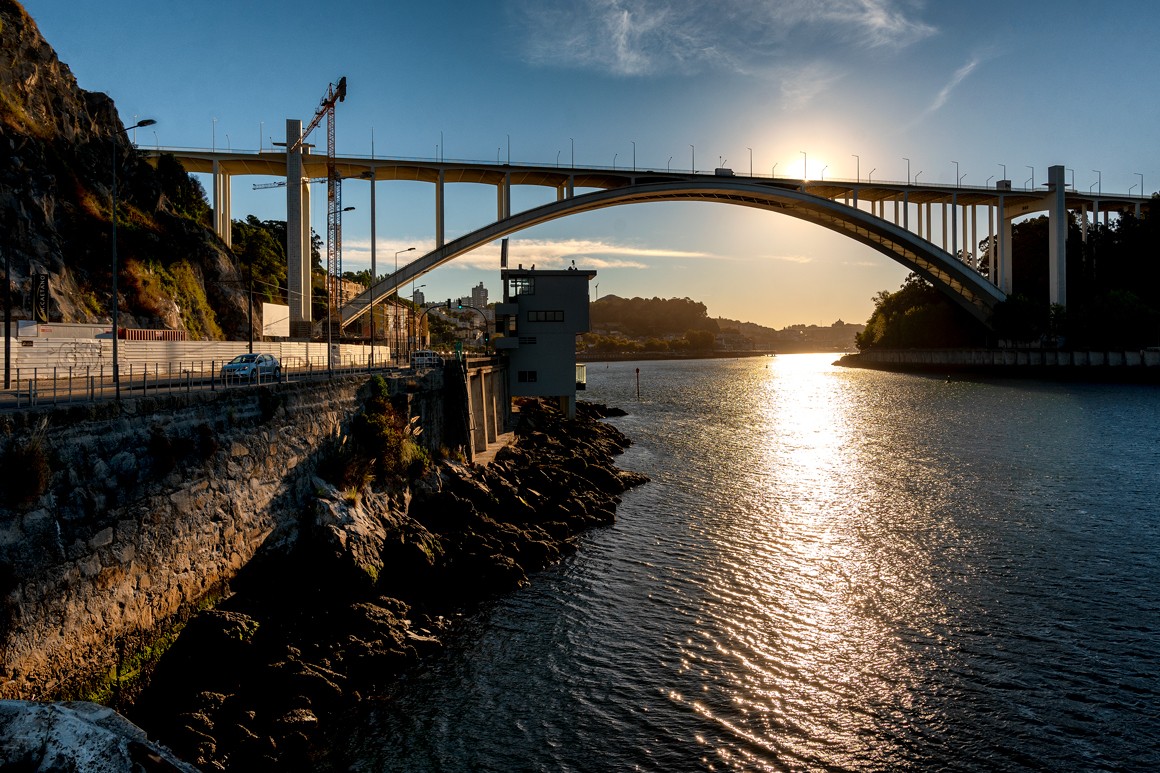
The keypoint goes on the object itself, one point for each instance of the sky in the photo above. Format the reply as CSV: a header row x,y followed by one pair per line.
x,y
849,87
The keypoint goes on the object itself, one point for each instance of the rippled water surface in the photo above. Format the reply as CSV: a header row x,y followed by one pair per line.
x,y
832,569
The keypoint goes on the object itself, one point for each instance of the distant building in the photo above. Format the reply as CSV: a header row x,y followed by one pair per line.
x,y
537,324
418,298
479,296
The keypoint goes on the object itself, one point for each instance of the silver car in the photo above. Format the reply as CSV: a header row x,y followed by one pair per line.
x,y
254,368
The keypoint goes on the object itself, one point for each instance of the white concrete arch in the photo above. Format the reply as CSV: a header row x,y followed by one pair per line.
x,y
960,282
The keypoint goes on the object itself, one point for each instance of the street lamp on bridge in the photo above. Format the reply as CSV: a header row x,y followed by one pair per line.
x,y
956,163
857,168
116,296
870,175
805,165
907,160
1099,183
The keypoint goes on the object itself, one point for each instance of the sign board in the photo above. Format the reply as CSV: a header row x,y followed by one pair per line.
x,y
275,320
40,297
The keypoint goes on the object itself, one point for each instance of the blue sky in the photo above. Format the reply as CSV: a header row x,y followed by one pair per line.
x,y
1027,84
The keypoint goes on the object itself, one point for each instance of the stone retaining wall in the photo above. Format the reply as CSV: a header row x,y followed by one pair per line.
x,y
150,509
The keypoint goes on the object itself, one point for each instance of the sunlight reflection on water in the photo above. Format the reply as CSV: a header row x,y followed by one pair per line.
x,y
831,570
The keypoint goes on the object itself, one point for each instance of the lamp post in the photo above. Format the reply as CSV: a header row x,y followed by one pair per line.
x,y
870,175
614,155
116,297
692,159
1032,178
907,160
916,174
334,294
573,145
823,173
395,350
633,154
956,163
750,160
1099,182
805,165
374,264
1141,176
857,168
1004,168
415,304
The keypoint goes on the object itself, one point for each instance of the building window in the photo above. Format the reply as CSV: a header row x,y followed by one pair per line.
x,y
526,376
527,340
521,285
545,316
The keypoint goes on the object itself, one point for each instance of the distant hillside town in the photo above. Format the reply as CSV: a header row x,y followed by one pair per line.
x,y
682,326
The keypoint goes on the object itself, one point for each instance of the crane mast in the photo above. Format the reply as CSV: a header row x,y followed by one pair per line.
x,y
334,94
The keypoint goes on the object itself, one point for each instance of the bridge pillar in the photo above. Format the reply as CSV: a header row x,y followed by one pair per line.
x,y
991,247
439,228
954,224
221,204
297,235
1005,269
906,210
1057,235
1083,216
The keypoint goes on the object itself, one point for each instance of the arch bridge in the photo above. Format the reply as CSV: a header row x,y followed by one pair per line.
x,y
896,219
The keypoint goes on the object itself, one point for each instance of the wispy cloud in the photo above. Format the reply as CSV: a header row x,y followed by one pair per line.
x,y
945,92
543,253
789,258
649,37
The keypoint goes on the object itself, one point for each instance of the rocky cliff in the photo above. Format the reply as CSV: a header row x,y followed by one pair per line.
x,y
59,148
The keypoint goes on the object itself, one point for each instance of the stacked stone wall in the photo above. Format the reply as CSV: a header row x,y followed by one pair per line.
x,y
146,510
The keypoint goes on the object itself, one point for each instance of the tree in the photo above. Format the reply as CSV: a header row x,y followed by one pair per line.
x,y
918,315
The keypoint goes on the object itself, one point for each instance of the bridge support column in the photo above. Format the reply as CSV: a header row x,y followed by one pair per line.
x,y
1057,235
571,186
906,210
297,235
503,197
991,245
954,223
1083,216
439,227
221,204
1005,270
974,243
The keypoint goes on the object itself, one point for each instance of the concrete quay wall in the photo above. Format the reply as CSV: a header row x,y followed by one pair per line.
x,y
1038,363
118,521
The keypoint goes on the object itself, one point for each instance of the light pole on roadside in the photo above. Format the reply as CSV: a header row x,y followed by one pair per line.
x,y
395,350
116,297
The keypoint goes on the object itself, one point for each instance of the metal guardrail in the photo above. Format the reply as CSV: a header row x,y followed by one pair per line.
x,y
61,386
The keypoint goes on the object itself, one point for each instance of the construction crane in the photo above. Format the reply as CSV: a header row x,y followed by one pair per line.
x,y
334,94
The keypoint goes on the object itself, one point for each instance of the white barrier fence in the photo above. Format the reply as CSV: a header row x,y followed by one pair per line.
x,y
62,353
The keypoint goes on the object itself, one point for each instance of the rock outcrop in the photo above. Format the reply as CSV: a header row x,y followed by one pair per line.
x,y
371,587
59,146
78,736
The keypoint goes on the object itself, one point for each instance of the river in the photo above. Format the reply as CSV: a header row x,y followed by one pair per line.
x,y
832,569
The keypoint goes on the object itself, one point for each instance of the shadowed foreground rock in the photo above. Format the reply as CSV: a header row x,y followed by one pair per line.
x,y
370,588
77,736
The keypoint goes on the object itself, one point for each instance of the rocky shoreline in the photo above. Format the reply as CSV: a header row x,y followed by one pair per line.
x,y
371,587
